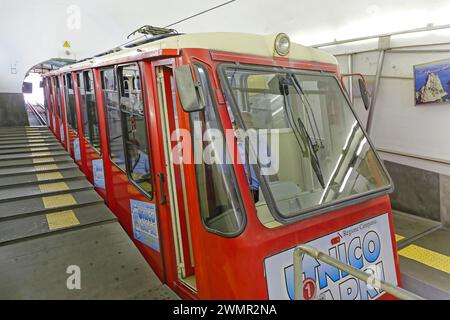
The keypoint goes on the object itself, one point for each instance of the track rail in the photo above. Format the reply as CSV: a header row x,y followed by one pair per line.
x,y
36,113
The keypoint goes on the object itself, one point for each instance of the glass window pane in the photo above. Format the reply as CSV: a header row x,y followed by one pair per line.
x,y
113,117
50,92
89,109
70,98
135,133
324,156
217,188
83,107
58,97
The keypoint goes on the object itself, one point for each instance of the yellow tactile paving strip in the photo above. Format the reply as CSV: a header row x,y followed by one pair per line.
x,y
41,154
42,160
59,201
49,176
427,257
46,167
53,187
39,149
62,220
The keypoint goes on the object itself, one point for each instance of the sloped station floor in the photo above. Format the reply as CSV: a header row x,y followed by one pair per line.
x,y
424,252
52,219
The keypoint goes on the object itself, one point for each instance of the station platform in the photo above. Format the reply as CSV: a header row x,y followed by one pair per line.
x,y
51,218
424,252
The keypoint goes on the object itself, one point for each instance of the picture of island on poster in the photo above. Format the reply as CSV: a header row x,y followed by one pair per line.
x,y
432,82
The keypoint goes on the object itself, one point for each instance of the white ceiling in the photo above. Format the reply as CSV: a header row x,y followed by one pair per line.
x,y
32,31
314,22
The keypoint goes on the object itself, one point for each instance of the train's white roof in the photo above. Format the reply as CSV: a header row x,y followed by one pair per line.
x,y
242,43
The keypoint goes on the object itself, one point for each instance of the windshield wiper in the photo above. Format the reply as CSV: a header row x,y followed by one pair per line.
x,y
309,112
313,153
305,137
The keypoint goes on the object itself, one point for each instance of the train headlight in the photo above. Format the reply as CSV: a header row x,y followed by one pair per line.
x,y
282,44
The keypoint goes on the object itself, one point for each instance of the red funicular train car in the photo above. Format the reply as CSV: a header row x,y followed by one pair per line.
x,y
220,153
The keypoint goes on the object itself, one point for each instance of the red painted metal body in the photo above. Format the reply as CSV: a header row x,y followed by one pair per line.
x,y
225,268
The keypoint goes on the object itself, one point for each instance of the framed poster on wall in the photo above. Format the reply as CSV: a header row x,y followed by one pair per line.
x,y
432,82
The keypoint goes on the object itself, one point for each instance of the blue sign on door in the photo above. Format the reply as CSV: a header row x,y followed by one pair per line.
x,y
61,132
76,149
99,174
145,223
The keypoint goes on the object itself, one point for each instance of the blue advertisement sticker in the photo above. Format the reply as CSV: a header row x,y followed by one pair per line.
x,y
61,132
76,149
145,223
99,174
366,246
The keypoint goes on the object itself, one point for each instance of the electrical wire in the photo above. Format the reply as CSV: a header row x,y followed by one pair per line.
x,y
183,20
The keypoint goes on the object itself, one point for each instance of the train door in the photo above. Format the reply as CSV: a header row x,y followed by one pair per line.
x,y
60,126
177,208
128,162
72,119
89,138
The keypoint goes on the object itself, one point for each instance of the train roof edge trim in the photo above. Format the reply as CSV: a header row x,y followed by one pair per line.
x,y
242,43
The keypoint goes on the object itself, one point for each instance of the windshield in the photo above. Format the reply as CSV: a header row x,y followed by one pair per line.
x,y
322,155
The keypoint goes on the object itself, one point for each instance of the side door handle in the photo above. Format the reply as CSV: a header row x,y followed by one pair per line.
x,y
161,185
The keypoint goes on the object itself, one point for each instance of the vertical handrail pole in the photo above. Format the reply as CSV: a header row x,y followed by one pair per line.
x,y
375,92
298,273
350,79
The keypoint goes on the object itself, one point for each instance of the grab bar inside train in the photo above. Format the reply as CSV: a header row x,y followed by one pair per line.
x,y
303,250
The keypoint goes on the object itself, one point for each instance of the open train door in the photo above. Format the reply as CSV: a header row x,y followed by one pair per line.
x,y
173,203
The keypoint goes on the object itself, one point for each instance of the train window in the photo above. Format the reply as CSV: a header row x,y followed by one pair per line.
x,y
89,109
58,97
318,154
217,187
72,118
134,126
50,91
113,117
83,107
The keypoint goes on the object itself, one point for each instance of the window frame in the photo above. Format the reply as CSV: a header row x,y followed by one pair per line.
x,y
114,69
147,133
58,97
243,226
127,171
50,93
317,210
81,76
71,113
